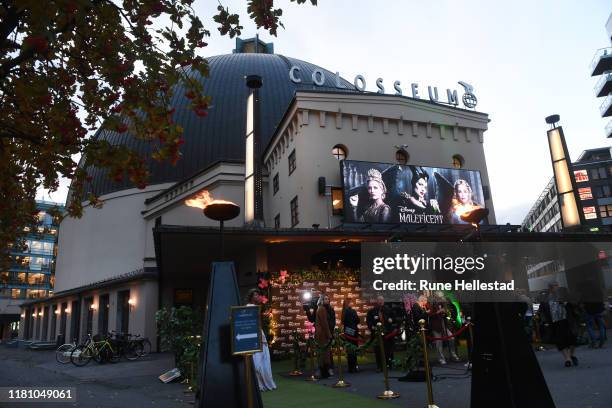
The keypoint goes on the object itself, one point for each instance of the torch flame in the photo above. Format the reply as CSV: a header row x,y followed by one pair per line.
x,y
203,199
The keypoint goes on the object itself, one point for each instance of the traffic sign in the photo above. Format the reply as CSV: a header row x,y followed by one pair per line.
x,y
246,329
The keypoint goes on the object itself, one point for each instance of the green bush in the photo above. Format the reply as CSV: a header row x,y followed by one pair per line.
x,y
180,331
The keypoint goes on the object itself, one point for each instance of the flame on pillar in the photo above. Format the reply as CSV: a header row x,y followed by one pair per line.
x,y
203,199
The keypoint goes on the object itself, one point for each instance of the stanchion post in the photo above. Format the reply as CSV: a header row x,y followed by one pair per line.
x,y
387,394
296,351
249,381
341,383
471,349
312,357
430,400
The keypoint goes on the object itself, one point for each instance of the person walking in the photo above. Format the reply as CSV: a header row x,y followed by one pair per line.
x,y
350,322
555,312
261,360
594,315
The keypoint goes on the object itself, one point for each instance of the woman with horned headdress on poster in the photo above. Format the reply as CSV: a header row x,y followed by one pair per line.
x,y
377,211
417,201
462,202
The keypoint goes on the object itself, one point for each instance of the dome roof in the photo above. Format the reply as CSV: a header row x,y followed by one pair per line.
x,y
220,135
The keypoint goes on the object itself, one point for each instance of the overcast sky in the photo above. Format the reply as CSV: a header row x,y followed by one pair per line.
x,y
525,59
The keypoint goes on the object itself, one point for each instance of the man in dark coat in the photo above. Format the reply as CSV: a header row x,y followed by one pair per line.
x,y
383,314
350,321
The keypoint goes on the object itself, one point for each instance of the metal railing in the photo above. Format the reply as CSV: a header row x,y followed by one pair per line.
x,y
606,104
609,129
599,54
607,76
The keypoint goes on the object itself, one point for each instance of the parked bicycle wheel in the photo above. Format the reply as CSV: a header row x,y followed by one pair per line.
x,y
62,354
81,355
133,350
146,347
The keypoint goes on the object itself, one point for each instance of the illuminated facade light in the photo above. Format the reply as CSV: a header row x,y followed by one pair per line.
x,y
563,176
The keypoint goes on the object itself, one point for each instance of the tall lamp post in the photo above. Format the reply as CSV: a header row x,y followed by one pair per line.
x,y
571,216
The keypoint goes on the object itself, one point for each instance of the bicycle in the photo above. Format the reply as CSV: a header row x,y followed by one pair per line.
x,y
98,350
131,349
63,352
144,343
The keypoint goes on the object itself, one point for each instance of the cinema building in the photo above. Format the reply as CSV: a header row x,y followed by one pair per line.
x,y
320,141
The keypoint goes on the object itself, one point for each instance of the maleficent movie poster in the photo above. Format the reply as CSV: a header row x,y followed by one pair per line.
x,y
381,193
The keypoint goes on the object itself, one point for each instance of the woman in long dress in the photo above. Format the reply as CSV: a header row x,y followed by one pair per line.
x,y
261,360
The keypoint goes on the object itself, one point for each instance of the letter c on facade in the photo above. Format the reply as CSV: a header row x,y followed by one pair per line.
x,y
292,76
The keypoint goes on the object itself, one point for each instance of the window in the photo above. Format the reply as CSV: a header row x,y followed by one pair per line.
x,y
458,161
339,152
103,308
585,193
605,211
275,183
291,160
123,311
589,213
401,156
581,175
337,201
605,191
277,221
602,173
594,174
294,212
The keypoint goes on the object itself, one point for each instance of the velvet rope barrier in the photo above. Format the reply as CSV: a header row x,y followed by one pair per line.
x,y
455,334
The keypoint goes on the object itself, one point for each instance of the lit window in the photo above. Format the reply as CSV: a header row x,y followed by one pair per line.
x,y
337,201
581,175
275,183
458,161
339,152
291,160
589,213
295,219
401,156
585,193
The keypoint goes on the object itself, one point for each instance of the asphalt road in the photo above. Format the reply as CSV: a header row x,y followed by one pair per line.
x,y
135,384
125,384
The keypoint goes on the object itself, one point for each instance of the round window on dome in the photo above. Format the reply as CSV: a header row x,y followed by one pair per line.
x,y
340,152
401,156
458,161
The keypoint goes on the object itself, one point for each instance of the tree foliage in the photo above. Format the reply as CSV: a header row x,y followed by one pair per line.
x,y
71,67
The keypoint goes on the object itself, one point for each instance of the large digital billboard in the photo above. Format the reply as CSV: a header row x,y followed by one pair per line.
x,y
384,193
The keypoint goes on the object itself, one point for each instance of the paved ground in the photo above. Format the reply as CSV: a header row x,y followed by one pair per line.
x,y
589,385
127,383
135,384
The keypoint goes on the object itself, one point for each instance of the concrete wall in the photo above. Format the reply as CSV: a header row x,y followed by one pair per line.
x,y
105,242
371,128
141,315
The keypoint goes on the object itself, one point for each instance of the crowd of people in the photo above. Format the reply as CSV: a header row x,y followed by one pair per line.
x,y
565,323
552,319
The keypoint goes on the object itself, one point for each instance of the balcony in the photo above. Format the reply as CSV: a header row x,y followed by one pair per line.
x,y
604,85
609,129
602,61
606,107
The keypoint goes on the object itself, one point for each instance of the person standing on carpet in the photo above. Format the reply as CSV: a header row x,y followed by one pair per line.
x,y
261,360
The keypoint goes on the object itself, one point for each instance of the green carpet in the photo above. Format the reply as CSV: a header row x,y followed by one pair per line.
x,y
301,394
